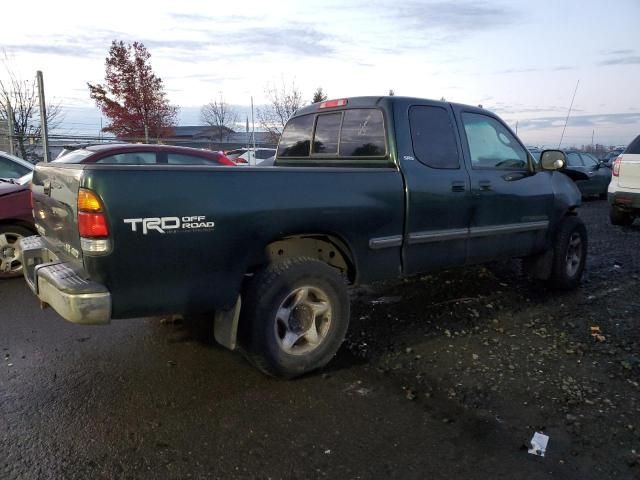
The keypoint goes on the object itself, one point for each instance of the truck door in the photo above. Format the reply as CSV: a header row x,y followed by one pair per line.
x,y
512,203
437,185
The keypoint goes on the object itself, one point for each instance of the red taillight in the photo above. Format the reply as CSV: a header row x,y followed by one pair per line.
x,y
92,225
616,166
334,103
92,222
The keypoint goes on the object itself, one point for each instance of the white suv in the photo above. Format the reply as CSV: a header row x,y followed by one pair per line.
x,y
624,189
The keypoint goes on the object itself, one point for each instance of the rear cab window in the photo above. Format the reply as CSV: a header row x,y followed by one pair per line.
x,y
351,137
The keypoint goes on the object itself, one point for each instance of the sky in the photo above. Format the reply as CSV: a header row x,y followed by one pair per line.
x,y
521,59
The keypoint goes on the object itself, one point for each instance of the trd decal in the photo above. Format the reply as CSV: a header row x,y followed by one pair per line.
x,y
197,223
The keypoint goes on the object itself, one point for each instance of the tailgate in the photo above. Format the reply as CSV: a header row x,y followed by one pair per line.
x,y
55,191
630,171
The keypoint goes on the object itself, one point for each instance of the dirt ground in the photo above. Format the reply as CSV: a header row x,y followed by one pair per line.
x,y
487,348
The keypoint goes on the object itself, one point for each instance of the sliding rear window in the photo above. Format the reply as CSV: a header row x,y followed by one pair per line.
x,y
355,134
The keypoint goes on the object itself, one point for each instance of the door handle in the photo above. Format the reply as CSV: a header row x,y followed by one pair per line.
x,y
458,186
485,185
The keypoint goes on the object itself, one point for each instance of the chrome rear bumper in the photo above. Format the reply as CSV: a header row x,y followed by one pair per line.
x,y
57,284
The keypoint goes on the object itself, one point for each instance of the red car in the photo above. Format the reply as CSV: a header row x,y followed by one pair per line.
x,y
140,154
16,221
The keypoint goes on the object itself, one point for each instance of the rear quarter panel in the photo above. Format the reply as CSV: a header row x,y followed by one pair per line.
x,y
195,271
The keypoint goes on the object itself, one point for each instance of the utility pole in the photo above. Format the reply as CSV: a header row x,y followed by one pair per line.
x,y
11,127
146,133
253,132
43,117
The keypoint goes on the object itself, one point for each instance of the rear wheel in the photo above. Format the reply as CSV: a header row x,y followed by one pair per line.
x,y
10,235
569,254
295,317
619,217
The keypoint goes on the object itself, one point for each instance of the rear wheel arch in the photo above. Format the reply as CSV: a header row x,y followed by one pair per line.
x,y
327,248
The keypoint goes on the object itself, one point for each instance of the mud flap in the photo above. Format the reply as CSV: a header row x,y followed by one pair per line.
x,y
225,326
539,266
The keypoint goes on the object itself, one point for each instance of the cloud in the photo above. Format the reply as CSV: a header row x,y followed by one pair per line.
x,y
458,17
624,60
618,52
199,18
598,120
293,40
558,68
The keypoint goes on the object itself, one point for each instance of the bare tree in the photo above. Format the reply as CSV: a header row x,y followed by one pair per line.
x,y
221,115
22,95
283,103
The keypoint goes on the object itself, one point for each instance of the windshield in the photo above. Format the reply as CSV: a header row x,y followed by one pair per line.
x,y
18,160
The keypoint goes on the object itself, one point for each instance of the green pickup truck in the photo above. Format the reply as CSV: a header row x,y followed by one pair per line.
x,y
363,189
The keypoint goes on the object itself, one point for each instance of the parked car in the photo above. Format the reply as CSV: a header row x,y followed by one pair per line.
x,y
16,222
142,154
250,156
384,188
598,173
624,189
610,157
13,167
592,176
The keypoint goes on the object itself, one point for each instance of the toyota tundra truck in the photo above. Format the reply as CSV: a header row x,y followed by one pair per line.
x,y
363,189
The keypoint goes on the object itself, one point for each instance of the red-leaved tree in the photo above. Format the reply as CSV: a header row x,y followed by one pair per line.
x,y
133,97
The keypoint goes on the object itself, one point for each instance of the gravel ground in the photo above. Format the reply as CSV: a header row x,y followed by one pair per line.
x,y
444,376
486,347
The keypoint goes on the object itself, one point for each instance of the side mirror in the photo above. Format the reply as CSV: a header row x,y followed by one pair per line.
x,y
553,159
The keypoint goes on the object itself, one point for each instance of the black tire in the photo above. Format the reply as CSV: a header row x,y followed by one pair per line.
x,y
619,217
568,263
261,331
12,234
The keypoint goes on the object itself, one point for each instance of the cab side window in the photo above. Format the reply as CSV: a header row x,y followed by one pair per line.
x,y
574,160
588,160
491,145
433,137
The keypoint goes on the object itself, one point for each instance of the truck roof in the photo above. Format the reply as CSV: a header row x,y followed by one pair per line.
x,y
371,101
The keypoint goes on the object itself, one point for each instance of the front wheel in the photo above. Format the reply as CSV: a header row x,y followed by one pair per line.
x,y
295,316
569,254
